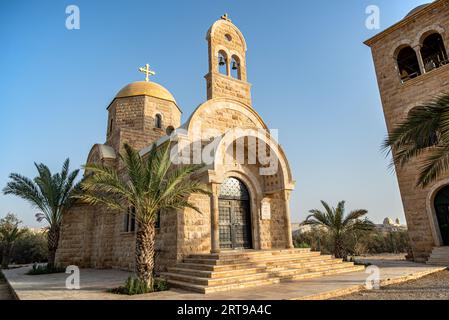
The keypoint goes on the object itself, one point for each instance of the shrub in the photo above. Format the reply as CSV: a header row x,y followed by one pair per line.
x,y
358,243
30,248
45,269
135,286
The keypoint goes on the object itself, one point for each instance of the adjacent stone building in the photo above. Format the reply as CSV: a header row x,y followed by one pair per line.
x,y
412,68
249,206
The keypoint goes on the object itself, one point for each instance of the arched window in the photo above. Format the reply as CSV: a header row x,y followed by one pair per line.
x,y
433,52
158,121
441,204
222,62
408,64
169,130
235,68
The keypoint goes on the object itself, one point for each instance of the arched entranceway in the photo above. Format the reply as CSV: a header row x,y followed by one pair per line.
x,y
441,204
234,215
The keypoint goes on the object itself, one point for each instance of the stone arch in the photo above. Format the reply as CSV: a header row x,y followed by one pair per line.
x,y
227,140
407,63
419,39
433,51
194,124
222,57
222,24
401,44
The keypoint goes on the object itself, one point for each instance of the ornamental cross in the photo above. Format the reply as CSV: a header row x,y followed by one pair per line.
x,y
147,72
225,17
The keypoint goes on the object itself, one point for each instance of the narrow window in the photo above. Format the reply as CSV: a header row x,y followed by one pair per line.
x,y
111,123
158,121
433,52
223,63
408,64
129,220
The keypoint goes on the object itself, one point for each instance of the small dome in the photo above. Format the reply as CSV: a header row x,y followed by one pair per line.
x,y
417,9
388,221
143,88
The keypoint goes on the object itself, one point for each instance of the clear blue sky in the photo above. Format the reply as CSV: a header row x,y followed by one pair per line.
x,y
312,78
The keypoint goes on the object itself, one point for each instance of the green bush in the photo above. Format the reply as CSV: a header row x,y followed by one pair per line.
x,y
302,245
44,269
135,286
30,248
358,243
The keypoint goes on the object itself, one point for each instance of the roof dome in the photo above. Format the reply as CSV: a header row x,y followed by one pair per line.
x,y
143,88
417,9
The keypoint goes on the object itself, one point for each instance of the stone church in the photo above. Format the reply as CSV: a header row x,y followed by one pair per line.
x,y
247,217
412,66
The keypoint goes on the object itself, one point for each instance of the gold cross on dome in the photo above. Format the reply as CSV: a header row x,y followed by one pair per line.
x,y
225,17
147,72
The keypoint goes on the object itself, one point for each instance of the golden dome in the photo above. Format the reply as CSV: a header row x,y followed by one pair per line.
x,y
143,88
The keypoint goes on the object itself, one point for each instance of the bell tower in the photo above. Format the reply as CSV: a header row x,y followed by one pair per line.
x,y
227,62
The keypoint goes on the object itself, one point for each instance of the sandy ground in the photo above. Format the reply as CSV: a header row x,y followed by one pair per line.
x,y
431,287
5,293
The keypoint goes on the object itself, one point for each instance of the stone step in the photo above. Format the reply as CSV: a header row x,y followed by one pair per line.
x,y
194,271
293,272
230,261
214,274
205,289
249,254
210,282
437,262
271,263
260,282
439,256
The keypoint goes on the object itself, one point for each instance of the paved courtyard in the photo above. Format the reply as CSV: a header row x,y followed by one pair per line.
x,y
434,286
5,292
94,284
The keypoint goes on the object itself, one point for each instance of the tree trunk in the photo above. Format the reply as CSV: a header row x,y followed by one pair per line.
x,y
6,256
145,252
53,240
338,248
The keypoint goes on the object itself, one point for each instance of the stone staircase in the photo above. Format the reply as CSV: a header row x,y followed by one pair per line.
x,y
229,270
439,256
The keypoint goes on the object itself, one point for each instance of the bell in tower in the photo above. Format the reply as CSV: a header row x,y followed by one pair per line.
x,y
227,63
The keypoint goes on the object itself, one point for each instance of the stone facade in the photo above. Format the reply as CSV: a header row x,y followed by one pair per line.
x,y
400,94
144,113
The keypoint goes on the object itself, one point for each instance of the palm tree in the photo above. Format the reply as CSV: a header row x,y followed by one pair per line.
x,y
424,134
150,186
51,194
9,233
337,225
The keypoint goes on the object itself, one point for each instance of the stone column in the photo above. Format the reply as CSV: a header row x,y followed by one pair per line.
x,y
288,227
214,228
420,60
228,66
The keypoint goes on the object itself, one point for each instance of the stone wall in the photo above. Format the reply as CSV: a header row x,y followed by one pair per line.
x,y
399,98
194,229
272,233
